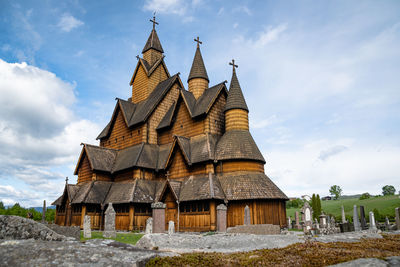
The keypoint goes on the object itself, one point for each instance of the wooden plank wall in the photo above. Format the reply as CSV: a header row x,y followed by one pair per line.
x,y
178,167
84,172
122,221
123,176
236,119
240,165
183,126
195,222
139,85
215,122
121,136
261,212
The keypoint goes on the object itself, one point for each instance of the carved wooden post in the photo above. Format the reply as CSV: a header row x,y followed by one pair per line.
x,y
213,216
131,216
83,214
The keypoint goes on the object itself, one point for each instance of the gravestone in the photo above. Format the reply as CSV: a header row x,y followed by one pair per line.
x,y
158,217
322,221
307,217
387,224
316,224
44,211
372,224
149,226
397,213
289,222
356,222
171,227
333,222
87,231
343,215
109,222
246,215
296,217
221,218
362,218
328,221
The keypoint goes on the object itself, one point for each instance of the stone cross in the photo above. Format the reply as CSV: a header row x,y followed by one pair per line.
x,y
297,219
149,226
198,41
397,213
372,225
246,215
44,211
356,222
289,222
362,218
154,21
343,215
171,227
387,224
233,64
109,222
87,231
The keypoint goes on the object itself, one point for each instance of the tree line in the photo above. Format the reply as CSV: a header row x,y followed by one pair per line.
x,y
17,210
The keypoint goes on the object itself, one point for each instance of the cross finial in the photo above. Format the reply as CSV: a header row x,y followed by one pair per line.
x,y
233,64
66,180
198,41
137,57
154,20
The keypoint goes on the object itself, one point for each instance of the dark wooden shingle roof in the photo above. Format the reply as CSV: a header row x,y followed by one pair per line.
x,y
153,42
235,98
198,70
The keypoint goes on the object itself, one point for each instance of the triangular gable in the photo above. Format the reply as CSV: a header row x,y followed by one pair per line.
x,y
184,148
167,185
100,158
149,69
81,158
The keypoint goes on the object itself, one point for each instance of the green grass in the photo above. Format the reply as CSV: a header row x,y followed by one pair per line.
x,y
128,238
384,204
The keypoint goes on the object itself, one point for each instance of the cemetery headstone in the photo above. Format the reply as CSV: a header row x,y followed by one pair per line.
x,y
356,222
158,217
372,224
316,224
221,218
171,227
296,217
149,226
387,224
322,221
246,215
307,217
397,212
44,211
109,222
362,218
289,222
87,231
343,215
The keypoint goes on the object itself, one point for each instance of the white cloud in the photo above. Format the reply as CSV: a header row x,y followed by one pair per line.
x,y
242,9
332,151
269,35
178,7
39,132
67,23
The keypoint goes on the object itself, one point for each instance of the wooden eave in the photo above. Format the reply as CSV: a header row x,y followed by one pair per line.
x,y
81,157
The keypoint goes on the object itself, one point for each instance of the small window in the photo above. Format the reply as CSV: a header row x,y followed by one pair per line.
x,y
194,207
181,126
123,138
206,206
109,142
138,131
116,140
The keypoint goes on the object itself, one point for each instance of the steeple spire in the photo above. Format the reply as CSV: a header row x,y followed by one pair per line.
x,y
235,98
198,69
153,42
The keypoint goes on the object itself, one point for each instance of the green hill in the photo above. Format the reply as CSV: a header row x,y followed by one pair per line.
x,y
384,204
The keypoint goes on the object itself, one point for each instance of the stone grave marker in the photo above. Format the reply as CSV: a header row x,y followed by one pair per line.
x,y
307,217
362,218
221,218
316,224
171,227
328,221
322,221
44,211
296,217
397,213
372,224
109,222
289,222
149,226
158,217
87,231
246,215
356,222
387,224
343,215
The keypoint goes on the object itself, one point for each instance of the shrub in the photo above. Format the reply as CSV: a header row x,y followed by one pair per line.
x,y
365,196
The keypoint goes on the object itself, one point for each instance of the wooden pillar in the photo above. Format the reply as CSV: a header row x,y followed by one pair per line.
x,y
131,215
83,214
213,216
254,211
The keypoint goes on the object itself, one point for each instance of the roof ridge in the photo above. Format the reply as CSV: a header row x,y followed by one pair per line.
x,y
87,191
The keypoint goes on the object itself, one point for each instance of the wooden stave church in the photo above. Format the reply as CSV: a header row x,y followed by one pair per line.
x,y
190,149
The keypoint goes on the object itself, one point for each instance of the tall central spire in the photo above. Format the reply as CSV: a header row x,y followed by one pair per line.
x,y
198,78
153,50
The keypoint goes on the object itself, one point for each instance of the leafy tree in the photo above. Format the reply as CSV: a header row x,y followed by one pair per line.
x,y
388,190
1,205
318,204
336,191
314,205
295,203
365,196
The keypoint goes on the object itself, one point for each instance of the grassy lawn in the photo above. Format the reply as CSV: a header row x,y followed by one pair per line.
x,y
384,204
305,254
129,238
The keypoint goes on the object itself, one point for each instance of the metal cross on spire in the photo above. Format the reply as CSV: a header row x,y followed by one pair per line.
x,y
198,41
233,64
154,20
66,180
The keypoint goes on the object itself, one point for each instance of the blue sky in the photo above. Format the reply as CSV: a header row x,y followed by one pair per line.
x,y
321,79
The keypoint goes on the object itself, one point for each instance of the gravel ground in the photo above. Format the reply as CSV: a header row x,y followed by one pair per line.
x,y
95,252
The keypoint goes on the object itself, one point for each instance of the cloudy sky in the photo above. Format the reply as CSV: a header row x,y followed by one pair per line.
x,y
321,79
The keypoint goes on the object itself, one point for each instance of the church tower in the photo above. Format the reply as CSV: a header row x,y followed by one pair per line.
x,y
153,50
236,110
198,78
